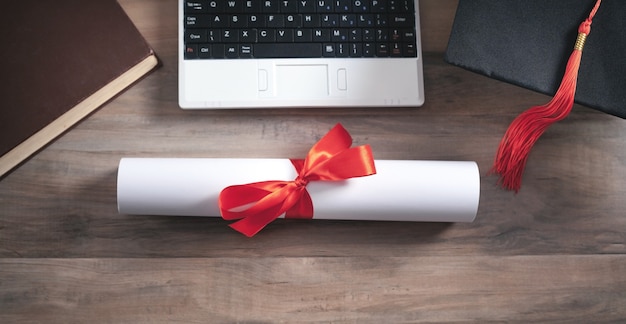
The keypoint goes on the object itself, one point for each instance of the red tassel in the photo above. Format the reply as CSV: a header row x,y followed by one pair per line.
x,y
526,129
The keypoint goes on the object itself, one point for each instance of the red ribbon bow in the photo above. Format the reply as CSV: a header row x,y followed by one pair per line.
x,y
331,159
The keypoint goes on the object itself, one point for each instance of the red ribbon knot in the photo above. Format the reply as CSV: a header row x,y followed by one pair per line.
x,y
301,182
254,205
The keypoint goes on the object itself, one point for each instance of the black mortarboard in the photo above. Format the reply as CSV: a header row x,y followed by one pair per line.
x,y
538,44
528,43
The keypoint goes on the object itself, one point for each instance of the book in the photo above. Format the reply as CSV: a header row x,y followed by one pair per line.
x,y
62,60
527,43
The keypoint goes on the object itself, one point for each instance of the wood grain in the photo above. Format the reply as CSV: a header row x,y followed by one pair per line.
x,y
555,252
316,289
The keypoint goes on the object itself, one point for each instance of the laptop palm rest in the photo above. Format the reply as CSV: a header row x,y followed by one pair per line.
x,y
298,81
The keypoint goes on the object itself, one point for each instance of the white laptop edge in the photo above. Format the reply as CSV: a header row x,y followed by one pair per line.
x,y
309,82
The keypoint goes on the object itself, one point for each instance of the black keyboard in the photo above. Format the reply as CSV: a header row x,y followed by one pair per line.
x,y
231,29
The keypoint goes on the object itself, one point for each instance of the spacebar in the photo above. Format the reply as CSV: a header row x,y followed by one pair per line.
x,y
285,50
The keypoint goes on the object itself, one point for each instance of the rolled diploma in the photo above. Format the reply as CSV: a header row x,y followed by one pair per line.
x,y
401,190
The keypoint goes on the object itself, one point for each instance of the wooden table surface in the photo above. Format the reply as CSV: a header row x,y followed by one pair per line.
x,y
554,252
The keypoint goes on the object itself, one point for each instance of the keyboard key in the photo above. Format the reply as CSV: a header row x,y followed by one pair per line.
x,y
197,21
275,21
284,35
217,51
248,35
204,51
213,36
356,50
191,51
368,50
306,6
215,6
355,35
195,6
293,21
234,6
382,35
303,35
270,6
231,51
311,20
195,36
237,21
343,5
245,51
395,35
331,20
251,6
286,50
342,50
340,34
360,5
382,49
324,5
410,50
266,35
379,6
230,35
395,50
365,20
256,21
329,50
401,20
368,35
288,6
347,20
320,35
219,21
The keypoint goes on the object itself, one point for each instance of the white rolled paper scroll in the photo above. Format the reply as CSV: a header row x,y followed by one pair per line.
x,y
437,191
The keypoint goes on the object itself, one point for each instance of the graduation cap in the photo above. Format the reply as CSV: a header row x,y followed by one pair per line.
x,y
538,44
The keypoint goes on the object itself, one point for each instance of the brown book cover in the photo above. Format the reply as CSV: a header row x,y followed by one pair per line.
x,y
61,60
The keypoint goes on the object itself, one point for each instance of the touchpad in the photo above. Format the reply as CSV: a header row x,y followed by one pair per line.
x,y
301,81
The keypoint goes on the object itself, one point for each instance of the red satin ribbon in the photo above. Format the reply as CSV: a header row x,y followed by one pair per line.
x,y
331,159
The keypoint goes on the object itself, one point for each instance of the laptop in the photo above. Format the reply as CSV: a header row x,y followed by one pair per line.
x,y
299,53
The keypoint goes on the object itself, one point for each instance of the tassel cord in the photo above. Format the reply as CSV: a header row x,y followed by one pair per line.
x,y
526,129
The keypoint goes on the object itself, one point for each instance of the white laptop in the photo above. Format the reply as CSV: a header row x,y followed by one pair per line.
x,y
299,53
